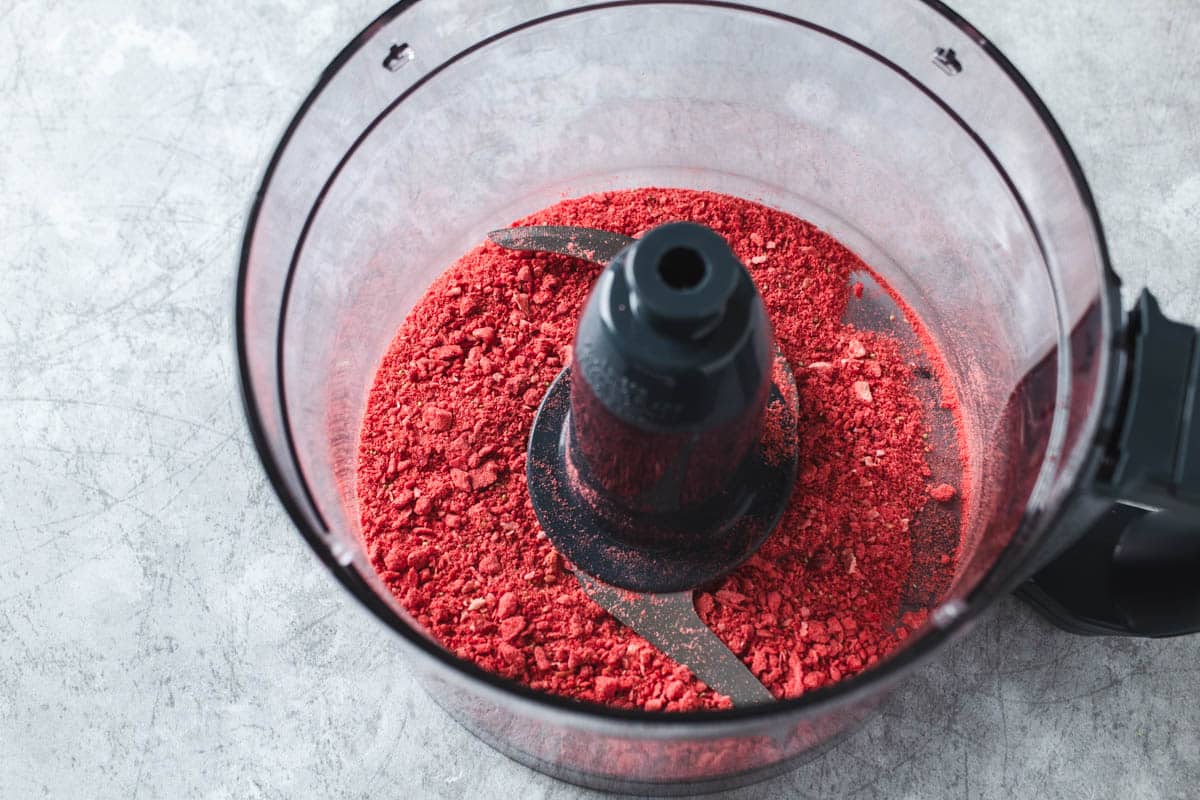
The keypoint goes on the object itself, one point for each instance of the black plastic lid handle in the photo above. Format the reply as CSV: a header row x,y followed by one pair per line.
x,y
1137,571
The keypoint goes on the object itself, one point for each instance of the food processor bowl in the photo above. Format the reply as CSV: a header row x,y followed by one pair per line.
x,y
891,124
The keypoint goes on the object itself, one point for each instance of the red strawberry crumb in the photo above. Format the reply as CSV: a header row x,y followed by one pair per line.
x,y
532,398
460,479
943,492
607,687
437,419
507,605
511,628
420,557
483,477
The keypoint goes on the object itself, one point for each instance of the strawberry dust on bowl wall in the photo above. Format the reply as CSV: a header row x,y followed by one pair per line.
x,y
450,528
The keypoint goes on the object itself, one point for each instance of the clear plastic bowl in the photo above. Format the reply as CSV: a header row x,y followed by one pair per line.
x,y
892,124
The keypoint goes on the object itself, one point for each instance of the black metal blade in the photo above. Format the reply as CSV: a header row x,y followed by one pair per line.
x,y
670,623
590,244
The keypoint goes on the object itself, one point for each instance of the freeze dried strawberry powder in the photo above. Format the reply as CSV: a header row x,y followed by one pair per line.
x,y
448,522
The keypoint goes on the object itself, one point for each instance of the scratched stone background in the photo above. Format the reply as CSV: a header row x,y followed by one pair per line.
x,y
163,630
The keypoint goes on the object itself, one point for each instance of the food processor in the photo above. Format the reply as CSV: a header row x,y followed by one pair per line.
x,y
895,127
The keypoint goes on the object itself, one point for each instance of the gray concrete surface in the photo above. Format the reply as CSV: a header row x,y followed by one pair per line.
x,y
164,632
